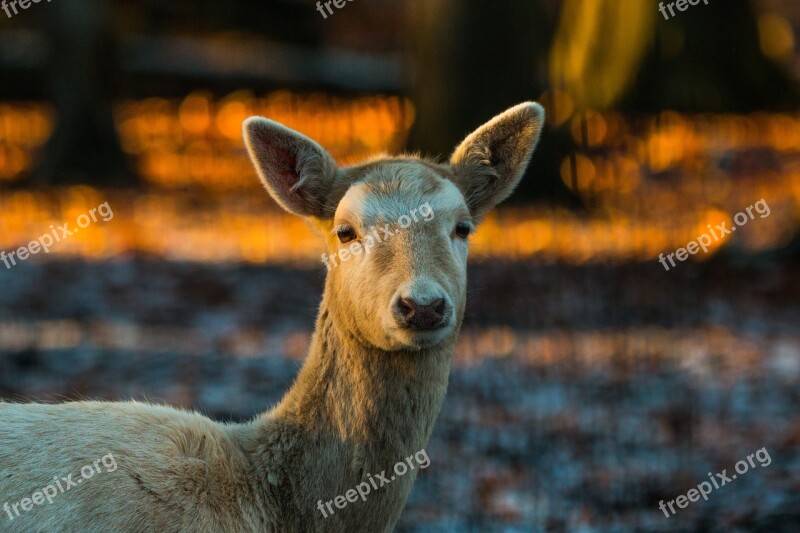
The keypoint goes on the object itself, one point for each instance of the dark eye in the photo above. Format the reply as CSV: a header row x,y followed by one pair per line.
x,y
346,234
463,230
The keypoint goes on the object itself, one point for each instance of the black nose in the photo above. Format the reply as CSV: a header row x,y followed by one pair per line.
x,y
420,316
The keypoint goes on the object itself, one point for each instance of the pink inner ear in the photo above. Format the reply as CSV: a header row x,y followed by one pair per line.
x,y
284,164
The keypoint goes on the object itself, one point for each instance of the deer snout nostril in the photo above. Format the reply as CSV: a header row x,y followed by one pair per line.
x,y
421,316
438,306
407,307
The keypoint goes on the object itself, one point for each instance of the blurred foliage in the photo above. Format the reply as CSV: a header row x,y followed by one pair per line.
x,y
594,57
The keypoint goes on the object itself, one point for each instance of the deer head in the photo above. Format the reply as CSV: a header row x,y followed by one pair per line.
x,y
396,228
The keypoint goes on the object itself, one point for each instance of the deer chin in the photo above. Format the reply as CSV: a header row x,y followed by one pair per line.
x,y
406,338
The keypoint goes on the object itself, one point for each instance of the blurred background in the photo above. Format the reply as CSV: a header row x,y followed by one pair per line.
x,y
589,383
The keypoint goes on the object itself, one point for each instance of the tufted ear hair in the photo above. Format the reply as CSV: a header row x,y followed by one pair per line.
x,y
490,162
298,173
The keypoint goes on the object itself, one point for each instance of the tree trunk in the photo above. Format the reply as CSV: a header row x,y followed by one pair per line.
x,y
471,61
84,146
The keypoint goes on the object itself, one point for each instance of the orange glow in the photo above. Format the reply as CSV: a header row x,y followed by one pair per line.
x,y
199,141
590,128
776,36
249,228
652,184
559,105
23,129
194,113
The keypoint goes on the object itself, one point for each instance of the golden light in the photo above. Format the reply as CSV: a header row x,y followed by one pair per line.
x,y
653,183
589,128
230,117
558,105
195,113
594,57
199,140
24,128
776,36
578,172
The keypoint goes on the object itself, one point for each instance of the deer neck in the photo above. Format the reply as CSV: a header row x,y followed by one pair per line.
x,y
354,411
365,396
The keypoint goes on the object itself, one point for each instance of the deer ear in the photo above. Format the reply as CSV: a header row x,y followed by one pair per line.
x,y
490,162
299,174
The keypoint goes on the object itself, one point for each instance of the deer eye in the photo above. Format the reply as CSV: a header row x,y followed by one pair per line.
x,y
463,230
346,234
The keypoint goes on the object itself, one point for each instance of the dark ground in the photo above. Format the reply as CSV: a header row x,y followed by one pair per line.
x,y
581,396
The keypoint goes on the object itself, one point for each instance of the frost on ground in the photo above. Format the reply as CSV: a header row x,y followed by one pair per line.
x,y
580,397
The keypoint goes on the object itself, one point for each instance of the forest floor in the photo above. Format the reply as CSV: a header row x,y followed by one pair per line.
x,y
580,396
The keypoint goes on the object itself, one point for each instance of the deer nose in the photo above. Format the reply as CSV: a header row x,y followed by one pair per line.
x,y
421,316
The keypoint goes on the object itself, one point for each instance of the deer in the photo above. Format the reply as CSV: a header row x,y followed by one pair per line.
x,y
366,397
